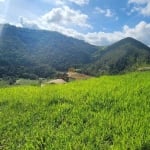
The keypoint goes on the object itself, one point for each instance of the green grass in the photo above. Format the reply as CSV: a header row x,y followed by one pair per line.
x,y
106,113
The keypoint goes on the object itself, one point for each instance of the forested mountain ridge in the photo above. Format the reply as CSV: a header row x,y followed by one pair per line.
x,y
31,53
25,52
125,55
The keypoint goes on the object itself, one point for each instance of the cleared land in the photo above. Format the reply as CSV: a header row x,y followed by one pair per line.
x,y
77,76
106,113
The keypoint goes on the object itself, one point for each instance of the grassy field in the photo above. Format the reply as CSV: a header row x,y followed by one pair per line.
x,y
105,113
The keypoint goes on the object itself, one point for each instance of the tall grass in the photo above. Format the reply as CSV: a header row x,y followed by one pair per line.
x,y
105,113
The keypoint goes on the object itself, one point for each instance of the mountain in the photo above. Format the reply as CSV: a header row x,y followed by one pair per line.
x,y
27,53
38,53
125,55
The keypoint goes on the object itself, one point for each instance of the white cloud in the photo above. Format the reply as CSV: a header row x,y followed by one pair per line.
x,y
80,2
60,2
99,10
61,19
66,20
66,17
56,2
141,6
2,0
141,32
108,13
63,2
51,27
138,1
105,12
2,20
28,24
103,38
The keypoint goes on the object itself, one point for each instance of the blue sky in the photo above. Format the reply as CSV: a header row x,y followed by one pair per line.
x,y
99,22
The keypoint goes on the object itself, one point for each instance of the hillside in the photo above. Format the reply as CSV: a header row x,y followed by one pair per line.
x,y
31,53
26,53
108,113
125,55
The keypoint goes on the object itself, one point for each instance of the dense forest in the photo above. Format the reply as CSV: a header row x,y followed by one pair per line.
x,y
26,53
125,55
33,53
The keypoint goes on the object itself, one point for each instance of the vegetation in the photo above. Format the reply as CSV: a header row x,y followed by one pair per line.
x,y
123,56
105,113
30,54
27,53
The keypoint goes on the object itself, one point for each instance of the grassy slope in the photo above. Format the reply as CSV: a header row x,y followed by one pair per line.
x,y
110,112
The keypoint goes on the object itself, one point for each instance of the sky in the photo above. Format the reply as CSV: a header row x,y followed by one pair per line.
x,y
98,22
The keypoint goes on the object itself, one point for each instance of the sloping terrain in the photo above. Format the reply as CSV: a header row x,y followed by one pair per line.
x,y
126,55
26,52
108,113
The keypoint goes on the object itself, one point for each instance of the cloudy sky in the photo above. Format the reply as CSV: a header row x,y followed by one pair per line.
x,y
99,22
